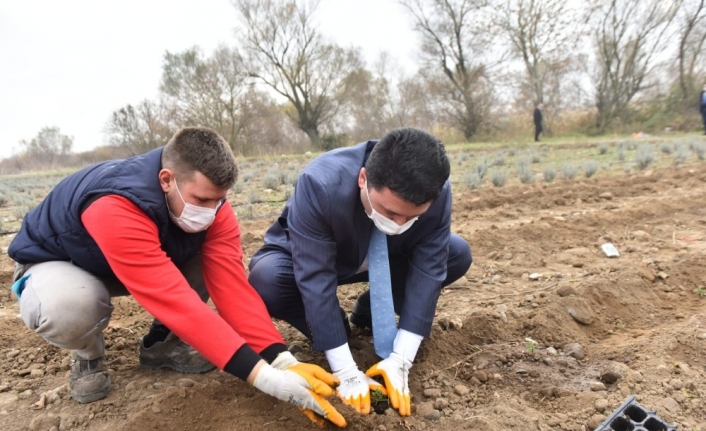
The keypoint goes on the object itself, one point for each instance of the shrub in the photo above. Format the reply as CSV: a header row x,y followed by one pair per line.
x,y
644,156
462,157
627,168
288,192
472,180
247,212
536,158
666,148
603,149
622,153
253,196
549,174
700,149
291,178
481,169
498,178
589,168
682,154
237,188
568,171
246,177
499,159
271,181
524,171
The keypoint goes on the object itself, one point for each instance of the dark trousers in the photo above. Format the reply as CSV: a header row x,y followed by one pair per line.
x,y
273,278
537,130
703,119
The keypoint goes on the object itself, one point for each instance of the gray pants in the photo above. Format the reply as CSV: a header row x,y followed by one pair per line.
x,y
69,307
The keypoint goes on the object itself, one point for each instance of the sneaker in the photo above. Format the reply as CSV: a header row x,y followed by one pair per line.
x,y
89,380
174,354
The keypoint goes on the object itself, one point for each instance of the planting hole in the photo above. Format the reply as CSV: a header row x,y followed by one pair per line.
x,y
653,424
622,424
635,413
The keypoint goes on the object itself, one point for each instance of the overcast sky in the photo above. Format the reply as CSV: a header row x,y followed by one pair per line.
x,y
71,63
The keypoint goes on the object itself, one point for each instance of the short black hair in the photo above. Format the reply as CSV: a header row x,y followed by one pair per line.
x,y
410,162
204,150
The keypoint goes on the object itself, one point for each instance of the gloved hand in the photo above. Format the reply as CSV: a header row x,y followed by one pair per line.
x,y
395,371
355,388
296,386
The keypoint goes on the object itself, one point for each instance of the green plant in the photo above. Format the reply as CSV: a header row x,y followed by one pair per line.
x,y
568,171
699,290
620,324
531,346
666,148
253,196
622,154
472,180
377,396
499,159
524,171
498,178
549,174
589,168
481,169
645,156
682,154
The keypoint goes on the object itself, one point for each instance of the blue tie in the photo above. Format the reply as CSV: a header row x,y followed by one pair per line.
x,y
381,305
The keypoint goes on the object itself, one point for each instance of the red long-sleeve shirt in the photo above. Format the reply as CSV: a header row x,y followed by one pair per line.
x,y
131,246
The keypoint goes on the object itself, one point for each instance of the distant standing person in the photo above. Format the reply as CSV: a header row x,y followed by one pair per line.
x,y
538,120
702,107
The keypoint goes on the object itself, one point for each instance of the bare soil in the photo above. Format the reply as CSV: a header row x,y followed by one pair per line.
x,y
602,328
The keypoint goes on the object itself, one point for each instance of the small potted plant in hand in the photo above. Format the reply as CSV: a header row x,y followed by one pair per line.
x,y
379,401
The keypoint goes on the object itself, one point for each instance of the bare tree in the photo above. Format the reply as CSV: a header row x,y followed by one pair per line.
x,y
48,147
287,53
544,35
138,129
206,91
265,128
692,38
629,36
455,42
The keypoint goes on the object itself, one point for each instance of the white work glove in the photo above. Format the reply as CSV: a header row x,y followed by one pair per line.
x,y
395,372
296,385
355,388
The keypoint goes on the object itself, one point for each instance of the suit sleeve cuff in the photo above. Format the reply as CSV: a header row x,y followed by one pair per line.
x,y
242,362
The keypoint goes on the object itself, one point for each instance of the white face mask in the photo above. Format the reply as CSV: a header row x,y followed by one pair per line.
x,y
193,218
384,224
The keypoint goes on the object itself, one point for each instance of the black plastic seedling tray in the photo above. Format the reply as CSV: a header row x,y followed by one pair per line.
x,y
631,416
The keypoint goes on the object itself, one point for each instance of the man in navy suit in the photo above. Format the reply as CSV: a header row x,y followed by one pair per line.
x,y
398,185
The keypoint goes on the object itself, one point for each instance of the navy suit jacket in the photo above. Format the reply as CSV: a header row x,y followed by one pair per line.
x,y
325,228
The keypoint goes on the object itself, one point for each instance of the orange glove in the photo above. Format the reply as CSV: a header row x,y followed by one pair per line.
x,y
318,383
395,372
355,388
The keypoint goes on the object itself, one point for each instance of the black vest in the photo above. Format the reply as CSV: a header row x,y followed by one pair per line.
x,y
53,229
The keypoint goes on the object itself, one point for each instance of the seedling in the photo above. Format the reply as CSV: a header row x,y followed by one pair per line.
x,y
620,324
379,401
699,290
377,396
531,345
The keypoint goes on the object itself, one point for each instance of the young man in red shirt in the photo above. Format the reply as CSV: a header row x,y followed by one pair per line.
x,y
157,227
